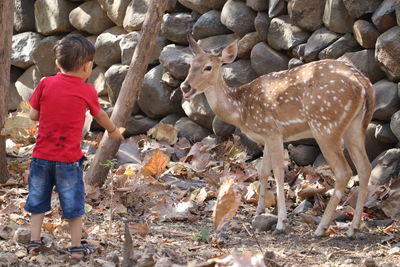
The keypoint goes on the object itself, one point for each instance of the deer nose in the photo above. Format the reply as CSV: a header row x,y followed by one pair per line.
x,y
185,87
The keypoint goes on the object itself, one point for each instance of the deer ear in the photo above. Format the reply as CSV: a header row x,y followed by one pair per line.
x,y
229,53
193,45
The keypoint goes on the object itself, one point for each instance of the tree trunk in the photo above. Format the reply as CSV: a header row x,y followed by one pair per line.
x,y
97,173
6,30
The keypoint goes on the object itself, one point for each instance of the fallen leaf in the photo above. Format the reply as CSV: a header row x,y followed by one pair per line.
x,y
156,165
139,228
164,132
247,258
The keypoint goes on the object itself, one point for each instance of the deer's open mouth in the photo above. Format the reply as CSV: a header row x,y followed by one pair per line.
x,y
189,93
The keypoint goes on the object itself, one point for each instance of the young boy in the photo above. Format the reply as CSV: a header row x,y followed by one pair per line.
x,y
59,104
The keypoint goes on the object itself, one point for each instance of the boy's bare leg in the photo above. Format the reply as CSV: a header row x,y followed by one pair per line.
x,y
75,226
36,226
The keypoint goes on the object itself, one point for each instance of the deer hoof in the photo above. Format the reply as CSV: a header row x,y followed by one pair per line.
x,y
319,232
279,231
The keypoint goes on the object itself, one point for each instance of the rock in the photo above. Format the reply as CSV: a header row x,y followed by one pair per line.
x,y
198,110
175,27
27,82
113,257
209,24
14,99
298,51
128,153
257,5
307,16
357,8
115,9
22,235
319,40
6,232
98,80
284,35
8,259
238,73
304,206
385,135
138,124
90,17
191,130
246,44
171,119
221,128
176,60
261,24
294,62
44,60
108,51
395,124
115,76
129,42
387,100
264,59
384,17
336,17
344,44
202,6
253,149
154,97
390,207
238,17
264,222
51,16
276,8
387,53
216,43
372,145
365,61
24,16
303,154
365,33
23,44
135,14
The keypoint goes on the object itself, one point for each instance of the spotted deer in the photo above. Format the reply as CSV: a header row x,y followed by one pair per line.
x,y
328,100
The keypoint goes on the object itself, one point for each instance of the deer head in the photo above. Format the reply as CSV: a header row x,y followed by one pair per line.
x,y
204,70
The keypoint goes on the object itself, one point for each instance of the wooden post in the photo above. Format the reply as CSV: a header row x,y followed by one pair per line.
x,y
6,31
97,174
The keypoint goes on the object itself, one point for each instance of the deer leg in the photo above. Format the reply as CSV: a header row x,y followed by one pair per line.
x,y
332,151
275,148
354,139
264,170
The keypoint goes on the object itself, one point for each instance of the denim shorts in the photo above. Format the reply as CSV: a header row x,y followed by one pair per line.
x,y
67,177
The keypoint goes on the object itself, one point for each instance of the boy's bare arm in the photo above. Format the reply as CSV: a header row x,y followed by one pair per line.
x,y
34,114
105,122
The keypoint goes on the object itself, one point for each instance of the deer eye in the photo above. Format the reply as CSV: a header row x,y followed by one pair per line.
x,y
207,68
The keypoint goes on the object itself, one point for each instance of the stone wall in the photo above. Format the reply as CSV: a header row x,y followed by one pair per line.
x,y
273,35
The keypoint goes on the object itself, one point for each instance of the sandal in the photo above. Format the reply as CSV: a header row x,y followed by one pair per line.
x,y
85,249
35,246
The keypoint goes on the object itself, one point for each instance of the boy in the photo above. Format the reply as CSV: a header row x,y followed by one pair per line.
x,y
59,104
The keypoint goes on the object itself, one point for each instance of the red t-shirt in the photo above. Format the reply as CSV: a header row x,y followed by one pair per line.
x,y
62,101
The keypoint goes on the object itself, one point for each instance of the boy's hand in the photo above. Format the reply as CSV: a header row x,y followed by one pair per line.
x,y
116,134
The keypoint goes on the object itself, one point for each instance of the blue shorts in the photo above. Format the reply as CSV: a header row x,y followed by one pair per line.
x,y
67,177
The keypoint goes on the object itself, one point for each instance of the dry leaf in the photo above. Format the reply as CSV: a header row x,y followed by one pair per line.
x,y
167,211
156,165
49,227
164,132
139,228
228,202
307,191
247,258
252,195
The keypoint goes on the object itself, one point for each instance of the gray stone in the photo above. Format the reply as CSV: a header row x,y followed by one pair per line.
x,y
198,110
115,9
284,35
395,124
385,167
276,8
303,155
170,80
108,51
14,99
51,16
44,60
387,53
176,60
128,153
397,10
246,44
238,17
264,222
238,73
129,42
191,130
365,61
261,24
135,14
319,40
320,161
344,44
171,119
336,17
357,8
175,27
387,100
8,259
89,17
307,16
216,43
385,135
304,206
372,145
27,82
294,62
209,24
24,16
264,59
98,80
154,97
221,128
22,235
23,44
298,51
115,76
6,232
365,33
252,148
202,6
384,16
258,5
138,124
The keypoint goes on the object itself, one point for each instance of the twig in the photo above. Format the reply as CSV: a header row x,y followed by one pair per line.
x,y
254,237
